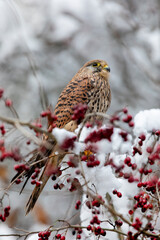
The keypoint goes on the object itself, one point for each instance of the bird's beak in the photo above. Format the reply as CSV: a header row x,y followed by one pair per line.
x,y
107,68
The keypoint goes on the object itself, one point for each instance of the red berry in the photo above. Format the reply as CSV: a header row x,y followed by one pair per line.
x,y
1,92
142,137
124,135
157,132
125,110
78,202
8,102
134,166
7,209
131,124
45,113
89,227
127,160
130,212
18,181
128,118
149,149
62,238
119,194
38,183
150,206
68,143
140,184
114,191
58,236
33,182
84,158
118,223
88,125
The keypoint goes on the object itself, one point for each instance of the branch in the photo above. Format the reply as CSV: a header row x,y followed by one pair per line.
x,y
52,229
114,212
17,123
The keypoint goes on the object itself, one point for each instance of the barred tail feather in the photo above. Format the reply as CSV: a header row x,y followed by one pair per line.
x,y
36,192
52,164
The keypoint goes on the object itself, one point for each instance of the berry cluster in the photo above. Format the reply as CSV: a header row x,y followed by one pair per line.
x,y
60,237
127,161
92,161
136,150
95,220
68,143
34,176
14,154
79,111
142,202
77,206
115,192
36,182
150,185
21,167
90,158
118,223
100,134
78,232
126,118
6,214
96,202
58,186
124,135
131,236
142,138
97,230
36,173
137,224
2,129
44,235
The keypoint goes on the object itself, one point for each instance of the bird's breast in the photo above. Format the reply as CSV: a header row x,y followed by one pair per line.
x,y
99,97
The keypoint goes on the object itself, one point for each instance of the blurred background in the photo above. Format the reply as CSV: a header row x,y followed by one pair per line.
x,y
44,43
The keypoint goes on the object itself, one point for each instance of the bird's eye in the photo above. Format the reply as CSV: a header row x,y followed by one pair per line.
x,y
96,64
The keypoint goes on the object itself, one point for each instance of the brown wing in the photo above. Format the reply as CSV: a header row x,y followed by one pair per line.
x,y
77,91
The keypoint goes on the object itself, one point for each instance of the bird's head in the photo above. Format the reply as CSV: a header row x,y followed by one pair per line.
x,y
98,66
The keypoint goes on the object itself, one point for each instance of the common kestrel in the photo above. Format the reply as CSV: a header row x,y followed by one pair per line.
x,y
89,86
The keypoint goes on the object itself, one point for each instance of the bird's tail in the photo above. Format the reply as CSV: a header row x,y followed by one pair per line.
x,y
50,167
37,191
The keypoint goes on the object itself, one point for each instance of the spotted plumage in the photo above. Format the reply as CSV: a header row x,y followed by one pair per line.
x,y
89,86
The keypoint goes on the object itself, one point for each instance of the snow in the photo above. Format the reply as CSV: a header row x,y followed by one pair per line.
x,y
4,229
103,179
147,121
62,134
60,36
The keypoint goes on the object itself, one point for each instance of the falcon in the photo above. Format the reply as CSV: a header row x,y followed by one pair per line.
x,y
89,86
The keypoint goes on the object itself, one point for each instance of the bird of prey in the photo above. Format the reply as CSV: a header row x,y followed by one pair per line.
x,y
89,86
